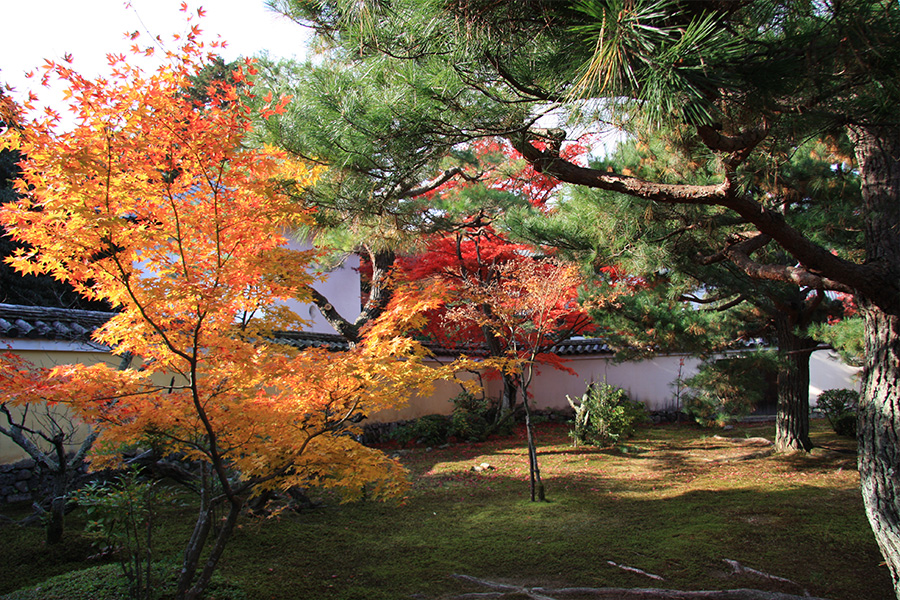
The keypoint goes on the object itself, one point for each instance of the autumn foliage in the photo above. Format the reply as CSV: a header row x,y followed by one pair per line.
x,y
482,273
155,202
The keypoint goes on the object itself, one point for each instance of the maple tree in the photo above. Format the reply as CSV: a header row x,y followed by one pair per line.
x,y
154,202
48,434
531,304
495,293
472,250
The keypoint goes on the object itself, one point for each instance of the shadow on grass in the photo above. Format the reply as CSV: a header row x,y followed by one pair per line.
x,y
657,503
810,535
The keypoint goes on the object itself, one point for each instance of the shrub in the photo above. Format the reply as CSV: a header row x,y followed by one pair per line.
x,y
604,415
122,516
430,430
470,418
839,406
726,389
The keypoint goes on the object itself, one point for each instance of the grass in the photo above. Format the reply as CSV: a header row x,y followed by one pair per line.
x,y
672,501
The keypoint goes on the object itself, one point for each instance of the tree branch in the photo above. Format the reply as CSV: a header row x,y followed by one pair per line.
x,y
412,192
821,266
739,254
550,163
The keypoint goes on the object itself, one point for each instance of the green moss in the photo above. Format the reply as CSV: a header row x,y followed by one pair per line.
x,y
676,505
107,582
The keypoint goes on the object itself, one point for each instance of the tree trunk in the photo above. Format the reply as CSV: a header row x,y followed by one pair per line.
x,y
61,475
878,154
508,399
792,420
57,519
538,493
878,433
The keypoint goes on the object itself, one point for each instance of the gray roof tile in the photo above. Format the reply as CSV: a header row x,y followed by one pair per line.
x,y
39,322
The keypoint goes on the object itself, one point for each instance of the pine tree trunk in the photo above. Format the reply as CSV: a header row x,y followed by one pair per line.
x,y
878,156
878,433
792,420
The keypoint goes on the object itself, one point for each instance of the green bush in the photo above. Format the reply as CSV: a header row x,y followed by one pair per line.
x,y
431,430
471,418
839,406
121,516
604,415
727,389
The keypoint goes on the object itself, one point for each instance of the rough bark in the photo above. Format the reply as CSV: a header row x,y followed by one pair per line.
x,y
878,433
878,155
792,419
380,294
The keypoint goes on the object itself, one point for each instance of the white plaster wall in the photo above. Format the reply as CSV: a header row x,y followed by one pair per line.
x,y
342,288
827,372
648,381
652,381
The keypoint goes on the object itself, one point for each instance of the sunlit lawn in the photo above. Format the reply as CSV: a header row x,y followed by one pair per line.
x,y
673,501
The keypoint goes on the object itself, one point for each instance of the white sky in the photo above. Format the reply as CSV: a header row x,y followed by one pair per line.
x,y
34,30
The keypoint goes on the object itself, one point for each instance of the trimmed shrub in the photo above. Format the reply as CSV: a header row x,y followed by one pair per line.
x,y
604,415
839,406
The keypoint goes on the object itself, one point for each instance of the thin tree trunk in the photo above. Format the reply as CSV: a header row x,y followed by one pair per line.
x,y
57,521
537,485
508,399
198,538
216,553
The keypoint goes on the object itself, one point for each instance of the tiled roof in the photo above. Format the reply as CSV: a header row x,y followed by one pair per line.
x,y
582,346
568,348
305,339
38,322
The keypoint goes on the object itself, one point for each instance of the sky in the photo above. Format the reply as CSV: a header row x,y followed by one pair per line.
x,y
35,30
